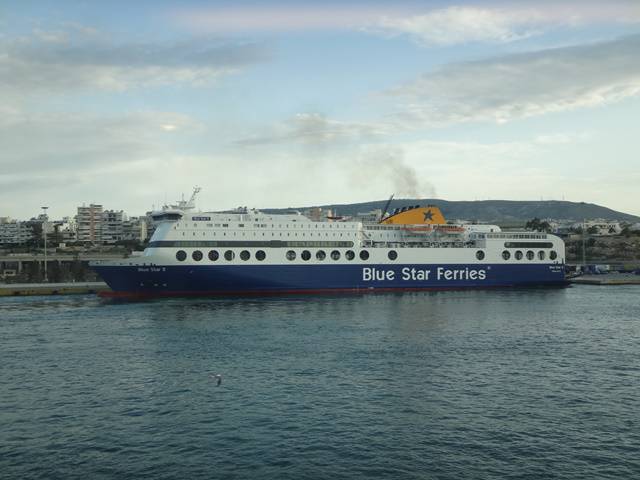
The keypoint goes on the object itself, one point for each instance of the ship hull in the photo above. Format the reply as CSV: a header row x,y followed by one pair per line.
x,y
189,280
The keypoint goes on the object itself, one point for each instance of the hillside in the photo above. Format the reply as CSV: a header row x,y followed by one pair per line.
x,y
497,211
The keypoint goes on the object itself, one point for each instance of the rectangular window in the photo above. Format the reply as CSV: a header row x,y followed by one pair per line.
x,y
528,245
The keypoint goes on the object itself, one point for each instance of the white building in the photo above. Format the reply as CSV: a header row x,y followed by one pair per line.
x,y
111,228
14,232
89,223
602,227
135,229
67,230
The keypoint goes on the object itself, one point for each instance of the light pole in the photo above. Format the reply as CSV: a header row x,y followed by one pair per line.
x,y
44,234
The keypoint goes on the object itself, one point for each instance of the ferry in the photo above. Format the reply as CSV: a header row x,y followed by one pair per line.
x,y
247,251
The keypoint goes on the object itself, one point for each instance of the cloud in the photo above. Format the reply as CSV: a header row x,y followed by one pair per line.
x,y
279,18
79,58
524,85
315,129
466,22
502,24
455,25
64,159
40,143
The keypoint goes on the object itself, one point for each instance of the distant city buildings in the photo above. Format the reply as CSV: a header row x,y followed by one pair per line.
x,y
98,226
599,227
13,232
91,225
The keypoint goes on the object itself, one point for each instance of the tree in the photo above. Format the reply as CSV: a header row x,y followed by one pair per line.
x,y
538,225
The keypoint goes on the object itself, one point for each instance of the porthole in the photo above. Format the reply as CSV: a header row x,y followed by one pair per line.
x,y
364,255
335,255
518,255
181,255
306,255
245,255
553,255
291,255
213,255
530,255
506,255
229,255
320,255
260,255
541,255
349,255
196,255
392,254
480,255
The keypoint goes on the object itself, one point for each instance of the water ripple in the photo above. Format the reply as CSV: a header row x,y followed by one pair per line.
x,y
503,384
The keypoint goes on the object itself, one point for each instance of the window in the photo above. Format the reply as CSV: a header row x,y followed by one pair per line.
x,y
306,255
245,255
291,255
528,244
229,255
530,255
260,255
506,255
196,255
518,255
553,255
181,255
541,255
335,255
392,255
349,255
213,255
480,255
364,255
320,255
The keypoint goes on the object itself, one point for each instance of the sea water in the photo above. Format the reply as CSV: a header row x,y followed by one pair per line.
x,y
444,385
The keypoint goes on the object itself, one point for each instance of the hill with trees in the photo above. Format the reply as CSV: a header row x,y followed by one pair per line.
x,y
493,211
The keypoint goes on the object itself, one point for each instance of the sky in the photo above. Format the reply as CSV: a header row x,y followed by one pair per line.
x,y
294,103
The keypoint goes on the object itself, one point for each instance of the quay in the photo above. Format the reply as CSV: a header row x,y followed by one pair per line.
x,y
607,279
77,288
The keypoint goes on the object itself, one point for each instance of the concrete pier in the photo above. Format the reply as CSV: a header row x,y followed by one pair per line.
x,y
24,289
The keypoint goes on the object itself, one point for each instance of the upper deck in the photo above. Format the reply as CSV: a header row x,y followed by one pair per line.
x,y
253,228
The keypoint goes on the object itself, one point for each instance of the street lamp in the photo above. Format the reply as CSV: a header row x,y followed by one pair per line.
x,y
44,234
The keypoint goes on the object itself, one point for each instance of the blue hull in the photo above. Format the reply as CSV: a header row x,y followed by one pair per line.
x,y
247,279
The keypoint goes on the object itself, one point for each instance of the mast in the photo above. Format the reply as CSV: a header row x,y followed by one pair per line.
x,y
192,201
386,207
